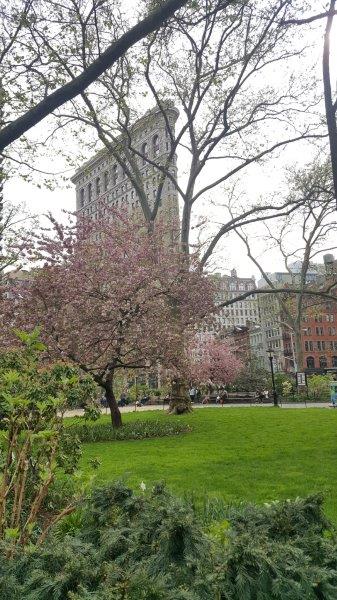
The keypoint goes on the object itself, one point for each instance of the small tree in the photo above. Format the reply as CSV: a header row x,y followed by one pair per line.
x,y
319,386
214,360
33,441
111,297
252,378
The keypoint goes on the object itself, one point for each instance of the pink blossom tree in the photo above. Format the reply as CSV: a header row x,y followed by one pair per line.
x,y
109,296
214,360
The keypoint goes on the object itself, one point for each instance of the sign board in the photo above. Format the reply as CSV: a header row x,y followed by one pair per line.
x,y
301,379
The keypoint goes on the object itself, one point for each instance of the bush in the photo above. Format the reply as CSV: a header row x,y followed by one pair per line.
x,y
154,546
319,387
137,430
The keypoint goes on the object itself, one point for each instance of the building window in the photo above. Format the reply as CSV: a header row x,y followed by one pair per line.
x,y
319,331
310,362
82,197
106,180
144,152
332,330
323,363
155,145
89,192
98,186
114,174
334,361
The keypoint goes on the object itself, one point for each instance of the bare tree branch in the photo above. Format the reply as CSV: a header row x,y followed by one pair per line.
x,y
323,15
70,90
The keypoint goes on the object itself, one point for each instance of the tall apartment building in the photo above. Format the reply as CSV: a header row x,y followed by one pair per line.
x,y
242,312
101,180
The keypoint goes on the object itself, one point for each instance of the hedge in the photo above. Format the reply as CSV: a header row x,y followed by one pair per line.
x,y
137,430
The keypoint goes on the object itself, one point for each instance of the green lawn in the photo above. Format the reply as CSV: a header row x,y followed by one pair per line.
x,y
255,453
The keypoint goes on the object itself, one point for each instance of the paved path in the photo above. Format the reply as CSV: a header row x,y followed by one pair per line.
x,y
131,407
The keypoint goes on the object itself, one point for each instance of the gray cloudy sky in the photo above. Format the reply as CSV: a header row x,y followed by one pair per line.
x,y
258,179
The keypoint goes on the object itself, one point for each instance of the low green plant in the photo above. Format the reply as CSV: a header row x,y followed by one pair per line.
x,y
153,546
33,443
135,430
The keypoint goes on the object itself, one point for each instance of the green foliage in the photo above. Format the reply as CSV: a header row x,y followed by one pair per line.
x,y
137,392
154,546
136,430
287,389
285,384
33,443
319,386
252,378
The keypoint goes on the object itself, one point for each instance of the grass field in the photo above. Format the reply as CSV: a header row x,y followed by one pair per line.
x,y
257,454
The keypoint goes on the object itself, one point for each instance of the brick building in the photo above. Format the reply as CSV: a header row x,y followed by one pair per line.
x,y
318,327
319,339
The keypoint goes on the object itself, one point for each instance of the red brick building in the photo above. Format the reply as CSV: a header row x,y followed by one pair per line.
x,y
319,333
319,339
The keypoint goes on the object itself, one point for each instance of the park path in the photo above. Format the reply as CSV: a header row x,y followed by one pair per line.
x,y
131,408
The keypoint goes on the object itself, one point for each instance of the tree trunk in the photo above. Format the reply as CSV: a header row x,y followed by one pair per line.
x,y
180,402
330,107
298,349
115,413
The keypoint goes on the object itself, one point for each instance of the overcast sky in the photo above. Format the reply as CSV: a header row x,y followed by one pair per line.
x,y
260,179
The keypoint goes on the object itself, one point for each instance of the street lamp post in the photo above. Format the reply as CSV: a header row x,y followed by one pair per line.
x,y
271,356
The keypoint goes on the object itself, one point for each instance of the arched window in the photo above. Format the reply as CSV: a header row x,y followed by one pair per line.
x,y
144,152
334,361
310,362
323,363
155,145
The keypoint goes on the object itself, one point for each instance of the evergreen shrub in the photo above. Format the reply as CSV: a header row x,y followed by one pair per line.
x,y
154,546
